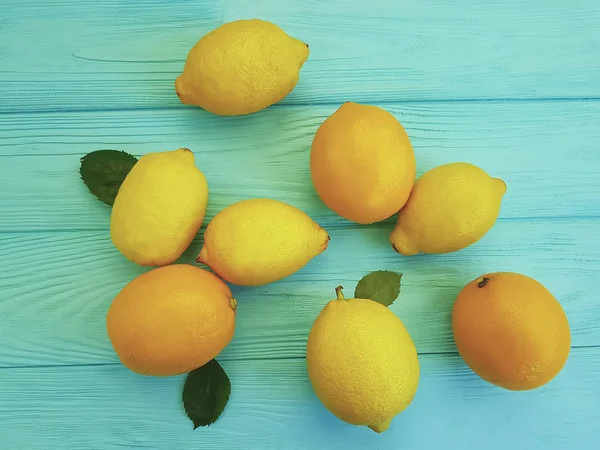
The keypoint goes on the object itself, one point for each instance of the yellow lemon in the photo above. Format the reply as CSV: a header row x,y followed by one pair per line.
x,y
171,320
450,207
241,67
259,241
362,163
159,208
362,363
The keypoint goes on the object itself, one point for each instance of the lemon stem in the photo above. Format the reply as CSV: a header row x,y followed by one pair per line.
x,y
482,282
339,294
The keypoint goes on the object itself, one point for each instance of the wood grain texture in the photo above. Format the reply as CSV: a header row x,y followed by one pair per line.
x,y
57,287
273,407
547,152
76,76
111,54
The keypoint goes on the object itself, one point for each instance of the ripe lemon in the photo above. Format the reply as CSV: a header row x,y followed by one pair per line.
x,y
171,320
241,67
511,331
258,241
362,163
362,363
450,207
159,208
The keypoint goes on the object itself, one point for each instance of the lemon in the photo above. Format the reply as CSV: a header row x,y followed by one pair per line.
x,y
159,208
362,363
241,67
511,330
450,207
258,241
362,163
171,320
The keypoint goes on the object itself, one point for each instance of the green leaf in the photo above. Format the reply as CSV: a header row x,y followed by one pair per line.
x,y
205,393
382,286
103,171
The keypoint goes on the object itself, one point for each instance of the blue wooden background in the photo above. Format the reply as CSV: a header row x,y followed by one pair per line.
x,y
512,86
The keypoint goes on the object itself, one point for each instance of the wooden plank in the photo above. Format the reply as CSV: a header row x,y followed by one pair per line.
x,y
272,406
55,288
110,54
545,151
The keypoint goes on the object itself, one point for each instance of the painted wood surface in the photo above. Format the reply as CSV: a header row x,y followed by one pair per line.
x,y
76,76
273,407
547,152
76,55
59,317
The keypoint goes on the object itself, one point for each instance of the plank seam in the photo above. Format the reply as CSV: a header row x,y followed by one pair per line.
x,y
313,104
333,225
287,358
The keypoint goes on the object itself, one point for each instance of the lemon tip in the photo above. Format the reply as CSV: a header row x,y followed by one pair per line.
x,y
381,427
500,185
